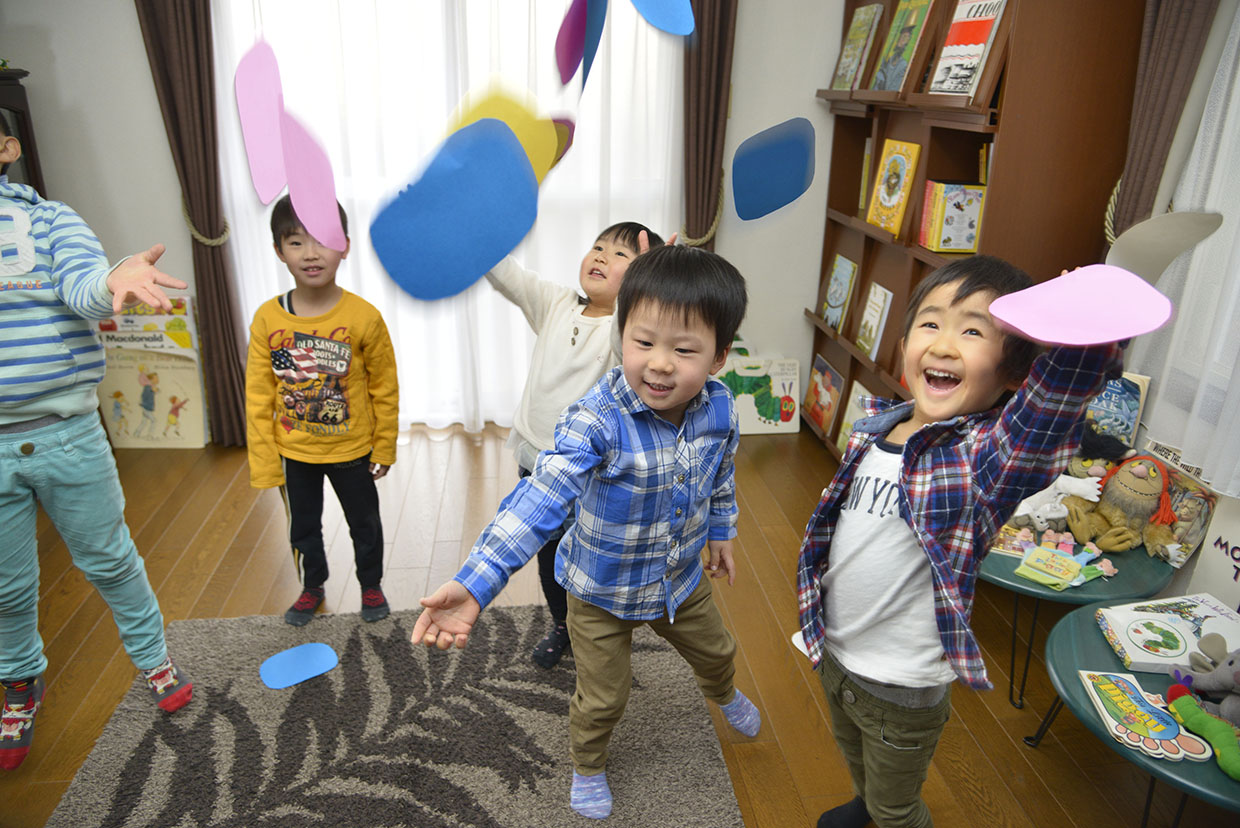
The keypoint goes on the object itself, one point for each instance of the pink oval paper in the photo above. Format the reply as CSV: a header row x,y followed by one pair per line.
x,y
259,104
311,186
1089,306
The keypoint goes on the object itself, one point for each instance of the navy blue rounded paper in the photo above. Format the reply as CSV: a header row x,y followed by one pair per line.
x,y
773,168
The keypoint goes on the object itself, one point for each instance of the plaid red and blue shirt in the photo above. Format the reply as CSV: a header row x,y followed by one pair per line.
x,y
645,496
960,480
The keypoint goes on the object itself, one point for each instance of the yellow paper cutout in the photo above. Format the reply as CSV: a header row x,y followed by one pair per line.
x,y
537,135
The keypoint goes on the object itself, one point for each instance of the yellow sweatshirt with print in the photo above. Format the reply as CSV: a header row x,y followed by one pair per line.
x,y
319,389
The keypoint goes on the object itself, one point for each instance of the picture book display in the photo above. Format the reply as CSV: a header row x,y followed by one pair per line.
x,y
896,169
965,48
874,319
1140,720
907,24
839,292
852,412
1193,503
822,397
951,216
1116,410
766,393
1157,633
856,49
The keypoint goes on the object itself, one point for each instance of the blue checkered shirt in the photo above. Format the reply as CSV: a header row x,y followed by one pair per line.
x,y
960,480
647,495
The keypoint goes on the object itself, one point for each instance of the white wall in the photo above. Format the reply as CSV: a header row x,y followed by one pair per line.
x,y
102,145
785,50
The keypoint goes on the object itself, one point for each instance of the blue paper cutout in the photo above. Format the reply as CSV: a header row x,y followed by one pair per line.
x,y
672,16
296,664
773,168
596,16
471,206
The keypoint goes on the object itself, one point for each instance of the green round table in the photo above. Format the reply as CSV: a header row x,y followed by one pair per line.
x,y
1140,576
1076,643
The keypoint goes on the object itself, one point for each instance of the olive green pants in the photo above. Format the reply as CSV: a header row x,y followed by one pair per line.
x,y
602,649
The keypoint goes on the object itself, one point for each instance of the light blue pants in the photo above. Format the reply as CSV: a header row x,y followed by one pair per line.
x,y
68,467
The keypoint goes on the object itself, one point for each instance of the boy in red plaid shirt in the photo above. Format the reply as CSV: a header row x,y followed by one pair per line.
x,y
889,560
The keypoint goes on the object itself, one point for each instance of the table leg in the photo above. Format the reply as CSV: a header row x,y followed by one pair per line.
x,y
1179,812
1036,739
1019,701
1149,799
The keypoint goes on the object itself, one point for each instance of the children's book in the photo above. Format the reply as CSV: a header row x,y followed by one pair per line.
x,y
766,393
873,319
1155,634
907,24
1117,408
964,51
1193,503
951,217
1139,720
856,49
1011,540
866,160
896,169
852,412
839,292
822,398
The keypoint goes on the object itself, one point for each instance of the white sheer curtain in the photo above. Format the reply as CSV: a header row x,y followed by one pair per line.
x,y
1195,396
376,82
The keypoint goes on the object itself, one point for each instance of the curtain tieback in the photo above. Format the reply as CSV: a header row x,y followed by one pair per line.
x,y
714,225
199,237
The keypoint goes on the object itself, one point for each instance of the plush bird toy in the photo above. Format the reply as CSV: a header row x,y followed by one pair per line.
x,y
1186,710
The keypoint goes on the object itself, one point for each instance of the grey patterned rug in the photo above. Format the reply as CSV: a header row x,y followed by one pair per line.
x,y
394,737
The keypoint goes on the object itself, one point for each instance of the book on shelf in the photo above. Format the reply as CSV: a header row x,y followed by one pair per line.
x,y
966,46
866,158
983,163
852,412
822,398
874,319
1116,411
856,49
839,292
907,24
1140,720
951,216
896,169
1157,633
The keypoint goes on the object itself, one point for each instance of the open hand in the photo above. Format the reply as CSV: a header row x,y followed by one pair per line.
x,y
448,618
138,280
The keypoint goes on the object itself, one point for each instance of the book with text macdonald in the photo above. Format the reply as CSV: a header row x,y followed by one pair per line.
x,y
965,49
896,170
856,49
1157,633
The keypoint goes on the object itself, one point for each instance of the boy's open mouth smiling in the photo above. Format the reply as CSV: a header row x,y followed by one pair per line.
x,y
940,380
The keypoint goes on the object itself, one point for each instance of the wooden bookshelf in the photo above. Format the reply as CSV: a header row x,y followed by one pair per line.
x,y
1052,110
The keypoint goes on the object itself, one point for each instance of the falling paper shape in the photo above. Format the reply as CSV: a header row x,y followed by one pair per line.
x,y
672,16
773,168
564,130
570,41
296,664
1088,306
1148,247
472,205
311,186
259,104
798,641
596,16
537,135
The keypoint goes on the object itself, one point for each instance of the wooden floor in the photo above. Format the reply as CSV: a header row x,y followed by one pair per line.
x,y
214,547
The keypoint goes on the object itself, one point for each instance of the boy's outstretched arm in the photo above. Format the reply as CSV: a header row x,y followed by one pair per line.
x,y
138,280
448,618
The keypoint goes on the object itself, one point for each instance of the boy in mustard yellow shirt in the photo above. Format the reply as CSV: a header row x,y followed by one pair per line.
x,y
321,399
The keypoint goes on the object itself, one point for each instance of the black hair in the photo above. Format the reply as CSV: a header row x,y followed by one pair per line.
x,y
689,280
284,221
974,275
627,233
5,132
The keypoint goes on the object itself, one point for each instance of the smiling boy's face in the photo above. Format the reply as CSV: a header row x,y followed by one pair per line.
x,y
667,358
313,265
952,356
602,271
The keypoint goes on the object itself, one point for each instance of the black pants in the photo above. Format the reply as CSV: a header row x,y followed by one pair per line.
x,y
355,488
557,598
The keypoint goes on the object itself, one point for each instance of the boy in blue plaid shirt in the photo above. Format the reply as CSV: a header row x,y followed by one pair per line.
x,y
646,460
889,560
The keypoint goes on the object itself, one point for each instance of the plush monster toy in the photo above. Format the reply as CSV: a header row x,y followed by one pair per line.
x,y
1083,478
1134,508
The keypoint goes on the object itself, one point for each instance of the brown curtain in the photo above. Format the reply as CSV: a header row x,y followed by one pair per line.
x,y
708,78
178,47
1172,39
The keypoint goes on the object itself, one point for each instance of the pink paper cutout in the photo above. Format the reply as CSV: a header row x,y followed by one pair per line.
x,y
1088,306
259,104
570,42
311,186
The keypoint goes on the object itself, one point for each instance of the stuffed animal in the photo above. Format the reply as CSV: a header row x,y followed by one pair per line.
x,y
1083,478
1134,508
1190,713
1223,680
